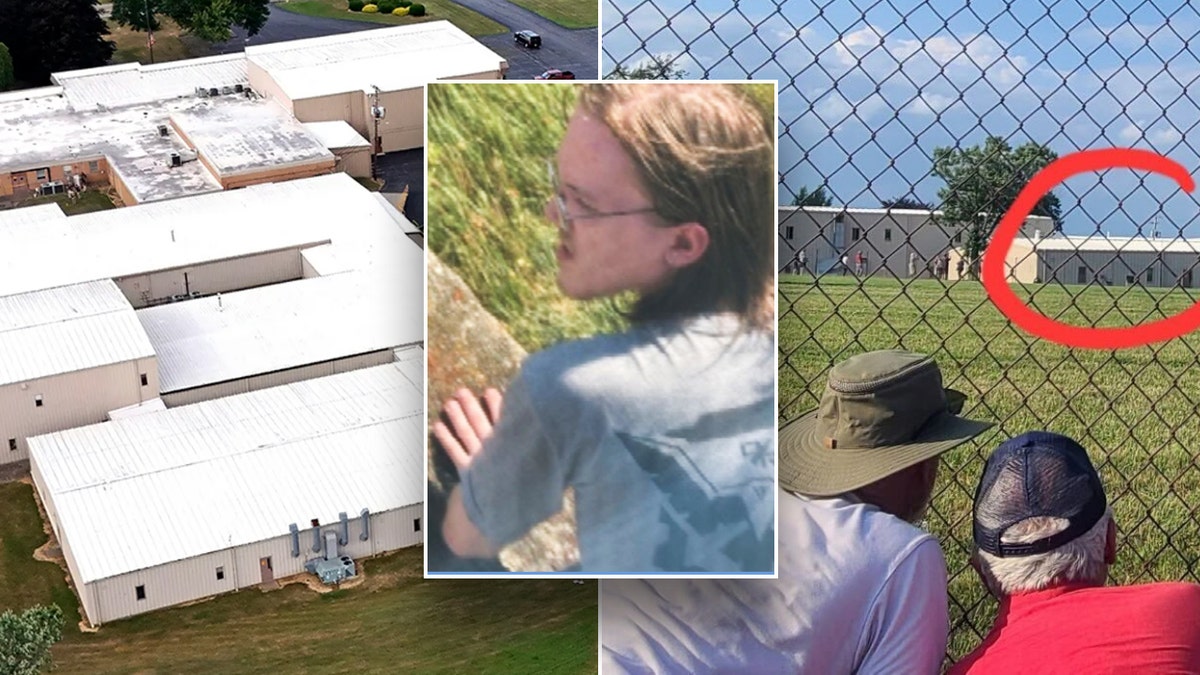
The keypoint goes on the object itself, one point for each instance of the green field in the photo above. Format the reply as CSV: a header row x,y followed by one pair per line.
x,y
394,622
470,21
566,13
1134,410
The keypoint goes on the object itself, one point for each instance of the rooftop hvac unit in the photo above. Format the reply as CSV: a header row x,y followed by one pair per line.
x,y
238,88
176,160
226,90
202,92
162,130
212,91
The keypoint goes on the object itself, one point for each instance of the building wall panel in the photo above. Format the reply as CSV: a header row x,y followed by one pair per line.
x,y
195,578
223,276
108,387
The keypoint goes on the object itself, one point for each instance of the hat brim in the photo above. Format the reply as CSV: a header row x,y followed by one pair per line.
x,y
808,467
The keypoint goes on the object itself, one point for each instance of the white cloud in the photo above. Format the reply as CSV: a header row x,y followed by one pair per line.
x,y
1165,136
930,104
1130,133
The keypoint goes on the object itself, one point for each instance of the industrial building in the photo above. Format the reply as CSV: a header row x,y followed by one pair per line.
x,y
194,298
889,238
157,132
1110,261
161,508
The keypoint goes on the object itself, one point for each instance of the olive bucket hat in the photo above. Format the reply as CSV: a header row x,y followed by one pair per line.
x,y
882,412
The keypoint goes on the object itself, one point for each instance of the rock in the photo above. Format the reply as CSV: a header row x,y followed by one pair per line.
x,y
468,347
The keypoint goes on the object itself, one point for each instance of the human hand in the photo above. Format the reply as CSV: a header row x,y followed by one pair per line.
x,y
465,425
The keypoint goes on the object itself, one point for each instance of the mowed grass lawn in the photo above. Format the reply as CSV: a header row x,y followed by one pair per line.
x,y
566,13
470,21
395,622
1135,410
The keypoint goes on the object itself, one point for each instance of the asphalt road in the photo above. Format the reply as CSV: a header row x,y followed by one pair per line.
x,y
407,167
573,50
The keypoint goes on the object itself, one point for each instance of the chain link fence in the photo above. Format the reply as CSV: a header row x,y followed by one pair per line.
x,y
906,129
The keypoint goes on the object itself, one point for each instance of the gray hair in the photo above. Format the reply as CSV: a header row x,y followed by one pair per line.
x,y
1081,559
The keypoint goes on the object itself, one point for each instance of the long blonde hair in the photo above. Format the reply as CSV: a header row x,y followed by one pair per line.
x,y
705,153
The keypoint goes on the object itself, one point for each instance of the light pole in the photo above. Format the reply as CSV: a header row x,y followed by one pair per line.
x,y
378,112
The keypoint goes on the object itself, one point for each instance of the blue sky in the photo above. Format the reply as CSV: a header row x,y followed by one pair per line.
x,y
867,94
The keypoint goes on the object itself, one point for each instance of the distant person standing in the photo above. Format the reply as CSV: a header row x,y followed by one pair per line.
x,y
939,267
845,264
859,263
946,266
912,265
802,261
958,268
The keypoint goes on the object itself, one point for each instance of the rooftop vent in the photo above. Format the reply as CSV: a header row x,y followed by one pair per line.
x,y
201,92
176,160
238,88
162,130
226,90
212,91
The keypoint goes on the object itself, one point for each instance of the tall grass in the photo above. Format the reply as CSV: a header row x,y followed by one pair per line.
x,y
487,152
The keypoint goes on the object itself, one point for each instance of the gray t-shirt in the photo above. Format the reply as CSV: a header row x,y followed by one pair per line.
x,y
666,433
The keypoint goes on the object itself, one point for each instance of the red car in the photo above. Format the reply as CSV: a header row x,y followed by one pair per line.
x,y
555,74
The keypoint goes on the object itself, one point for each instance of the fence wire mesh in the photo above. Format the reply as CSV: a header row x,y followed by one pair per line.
x,y
906,129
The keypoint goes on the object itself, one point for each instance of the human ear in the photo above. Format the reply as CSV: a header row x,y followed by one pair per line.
x,y
688,243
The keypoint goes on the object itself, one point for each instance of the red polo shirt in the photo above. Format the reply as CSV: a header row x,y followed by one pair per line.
x,y
1081,629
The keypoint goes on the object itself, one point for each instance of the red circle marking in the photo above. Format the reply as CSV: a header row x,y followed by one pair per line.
x,y
1043,326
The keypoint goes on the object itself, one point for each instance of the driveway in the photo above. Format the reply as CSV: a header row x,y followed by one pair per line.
x,y
406,167
573,50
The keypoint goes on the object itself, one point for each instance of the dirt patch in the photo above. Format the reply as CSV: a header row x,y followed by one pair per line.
x,y
14,472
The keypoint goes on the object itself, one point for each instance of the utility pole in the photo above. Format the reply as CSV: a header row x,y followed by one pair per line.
x,y
377,113
150,32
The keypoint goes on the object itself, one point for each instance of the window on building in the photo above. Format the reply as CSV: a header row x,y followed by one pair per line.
x,y
1186,279
839,217
220,574
37,400
68,170
1129,279
958,238
145,380
140,591
887,234
855,234
1081,275
93,167
791,232
1150,276
416,524
12,445
43,174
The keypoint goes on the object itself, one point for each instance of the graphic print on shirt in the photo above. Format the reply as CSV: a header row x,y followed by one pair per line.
x,y
706,512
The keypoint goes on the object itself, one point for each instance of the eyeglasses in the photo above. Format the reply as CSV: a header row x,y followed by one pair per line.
x,y
566,220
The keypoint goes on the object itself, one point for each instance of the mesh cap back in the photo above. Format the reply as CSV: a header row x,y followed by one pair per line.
x,y
1036,474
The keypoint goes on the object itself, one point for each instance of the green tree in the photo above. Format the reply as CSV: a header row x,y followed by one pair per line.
x,y
982,182
26,638
657,67
46,36
812,198
6,68
908,202
210,20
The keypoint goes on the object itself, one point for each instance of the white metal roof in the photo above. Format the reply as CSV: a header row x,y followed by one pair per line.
x,y
145,407
335,64
1121,244
263,330
134,83
337,135
147,490
63,330
164,235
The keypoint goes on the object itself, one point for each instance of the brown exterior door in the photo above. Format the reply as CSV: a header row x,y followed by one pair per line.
x,y
268,575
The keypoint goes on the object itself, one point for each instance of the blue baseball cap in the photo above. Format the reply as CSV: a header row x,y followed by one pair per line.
x,y
1037,474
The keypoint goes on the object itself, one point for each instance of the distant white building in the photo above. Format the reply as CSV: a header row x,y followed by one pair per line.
x,y
1110,261
890,239
167,507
